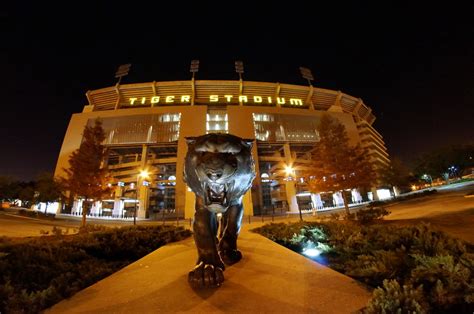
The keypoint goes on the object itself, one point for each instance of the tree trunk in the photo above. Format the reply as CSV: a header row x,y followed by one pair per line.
x,y
46,209
85,208
346,205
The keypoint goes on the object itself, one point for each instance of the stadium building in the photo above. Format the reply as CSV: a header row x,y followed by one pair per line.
x,y
146,125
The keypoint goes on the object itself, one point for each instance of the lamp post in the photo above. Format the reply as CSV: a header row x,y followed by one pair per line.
x,y
143,174
239,68
307,74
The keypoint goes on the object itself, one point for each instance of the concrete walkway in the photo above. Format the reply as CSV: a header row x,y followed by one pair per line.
x,y
269,279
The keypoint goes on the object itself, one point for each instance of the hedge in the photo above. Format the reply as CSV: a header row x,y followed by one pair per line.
x,y
410,267
36,273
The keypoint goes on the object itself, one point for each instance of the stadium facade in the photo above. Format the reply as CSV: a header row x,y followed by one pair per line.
x,y
146,125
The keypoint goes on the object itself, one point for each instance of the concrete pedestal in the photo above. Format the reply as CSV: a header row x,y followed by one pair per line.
x,y
269,279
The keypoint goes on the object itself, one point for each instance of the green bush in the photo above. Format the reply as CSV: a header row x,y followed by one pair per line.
x,y
415,256
395,299
446,280
38,272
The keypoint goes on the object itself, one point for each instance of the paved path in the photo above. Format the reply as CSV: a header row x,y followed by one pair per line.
x,y
269,279
448,210
12,225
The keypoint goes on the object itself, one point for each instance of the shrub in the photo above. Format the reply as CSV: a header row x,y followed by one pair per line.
x,y
395,299
370,215
414,256
38,272
446,282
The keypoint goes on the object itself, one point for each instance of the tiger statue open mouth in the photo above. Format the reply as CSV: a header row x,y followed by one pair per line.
x,y
219,169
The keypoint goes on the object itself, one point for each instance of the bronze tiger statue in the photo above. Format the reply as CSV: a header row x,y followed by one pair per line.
x,y
219,169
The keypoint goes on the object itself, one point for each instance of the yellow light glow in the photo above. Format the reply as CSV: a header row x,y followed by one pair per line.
x,y
215,98
144,173
289,170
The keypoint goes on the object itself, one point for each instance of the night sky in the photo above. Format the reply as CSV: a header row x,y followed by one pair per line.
x,y
412,63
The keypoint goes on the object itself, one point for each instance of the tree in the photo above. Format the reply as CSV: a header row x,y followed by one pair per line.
x,y
27,193
445,162
48,189
86,178
9,188
335,165
396,174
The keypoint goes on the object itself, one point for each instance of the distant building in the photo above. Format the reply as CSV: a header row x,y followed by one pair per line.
x,y
146,125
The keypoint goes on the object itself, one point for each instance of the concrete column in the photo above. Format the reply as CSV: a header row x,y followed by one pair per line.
x,y
142,200
336,107
337,199
396,191
375,196
144,158
118,208
241,124
118,203
142,189
190,203
291,196
317,202
356,197
77,207
247,203
96,208
287,153
192,124
59,209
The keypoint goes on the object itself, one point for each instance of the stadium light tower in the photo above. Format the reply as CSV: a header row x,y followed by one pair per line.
x,y
122,71
306,73
194,67
239,68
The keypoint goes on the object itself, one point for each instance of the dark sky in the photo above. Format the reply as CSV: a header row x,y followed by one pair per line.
x,y
412,63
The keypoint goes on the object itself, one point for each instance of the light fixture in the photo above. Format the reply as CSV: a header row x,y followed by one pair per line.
x,y
289,170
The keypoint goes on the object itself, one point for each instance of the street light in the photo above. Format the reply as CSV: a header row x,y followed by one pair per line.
x,y
143,174
452,170
289,171
426,177
290,176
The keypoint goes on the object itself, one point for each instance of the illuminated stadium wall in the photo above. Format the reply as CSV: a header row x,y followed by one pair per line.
x,y
146,125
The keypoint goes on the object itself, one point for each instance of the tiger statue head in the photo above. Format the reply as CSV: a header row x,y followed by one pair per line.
x,y
219,168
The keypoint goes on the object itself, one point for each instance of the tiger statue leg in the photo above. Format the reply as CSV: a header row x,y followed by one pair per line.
x,y
230,229
219,169
209,269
